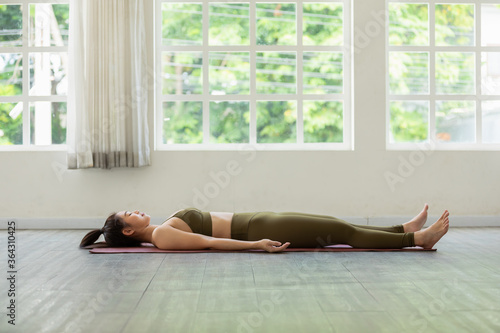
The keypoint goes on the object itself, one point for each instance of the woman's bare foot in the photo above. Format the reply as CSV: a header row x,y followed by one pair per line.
x,y
417,222
428,237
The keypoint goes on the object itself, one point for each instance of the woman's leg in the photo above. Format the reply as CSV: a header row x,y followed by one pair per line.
x,y
413,225
309,230
395,228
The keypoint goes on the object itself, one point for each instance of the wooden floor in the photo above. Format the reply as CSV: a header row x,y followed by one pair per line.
x,y
60,288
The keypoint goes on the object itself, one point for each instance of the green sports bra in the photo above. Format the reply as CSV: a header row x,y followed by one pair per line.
x,y
200,222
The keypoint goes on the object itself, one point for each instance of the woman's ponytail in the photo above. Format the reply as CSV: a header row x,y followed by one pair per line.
x,y
91,238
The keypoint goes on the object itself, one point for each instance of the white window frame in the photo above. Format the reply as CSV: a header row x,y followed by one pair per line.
x,y
25,98
432,97
253,97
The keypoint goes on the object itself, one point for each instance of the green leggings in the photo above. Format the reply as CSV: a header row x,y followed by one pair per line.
x,y
310,230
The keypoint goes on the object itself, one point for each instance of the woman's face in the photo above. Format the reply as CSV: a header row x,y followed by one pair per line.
x,y
135,219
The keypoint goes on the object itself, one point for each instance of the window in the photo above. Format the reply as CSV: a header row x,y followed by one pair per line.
x,y
33,76
443,79
275,74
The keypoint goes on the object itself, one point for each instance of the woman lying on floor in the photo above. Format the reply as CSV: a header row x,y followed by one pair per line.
x,y
192,229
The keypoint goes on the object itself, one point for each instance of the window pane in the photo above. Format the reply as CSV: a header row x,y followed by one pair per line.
x,y
48,123
229,122
455,121
454,24
408,24
455,73
11,123
322,73
11,25
182,24
322,24
490,16
490,73
11,74
229,73
276,121
409,121
182,73
182,122
409,73
276,24
48,74
229,24
491,121
49,24
276,73
323,121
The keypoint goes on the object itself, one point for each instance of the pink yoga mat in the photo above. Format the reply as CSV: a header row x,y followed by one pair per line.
x,y
150,248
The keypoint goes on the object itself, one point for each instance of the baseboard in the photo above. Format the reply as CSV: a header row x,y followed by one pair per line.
x,y
61,222
455,221
93,223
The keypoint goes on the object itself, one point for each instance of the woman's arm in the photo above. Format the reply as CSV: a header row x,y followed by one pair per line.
x,y
169,238
234,244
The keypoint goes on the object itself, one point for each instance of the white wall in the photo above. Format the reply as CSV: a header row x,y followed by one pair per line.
x,y
35,190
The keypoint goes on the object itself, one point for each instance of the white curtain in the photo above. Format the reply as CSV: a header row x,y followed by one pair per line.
x,y
107,99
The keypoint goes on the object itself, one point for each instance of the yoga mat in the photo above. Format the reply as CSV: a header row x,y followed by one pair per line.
x,y
150,248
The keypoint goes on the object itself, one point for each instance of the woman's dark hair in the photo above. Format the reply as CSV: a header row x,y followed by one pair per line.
x,y
113,234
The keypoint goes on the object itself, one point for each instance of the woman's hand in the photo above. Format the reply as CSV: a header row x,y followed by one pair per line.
x,y
272,246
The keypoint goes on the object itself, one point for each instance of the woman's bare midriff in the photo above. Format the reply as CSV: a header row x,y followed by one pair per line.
x,y
221,224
